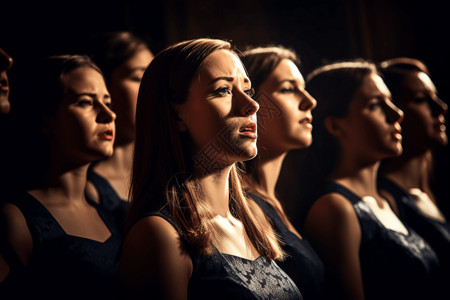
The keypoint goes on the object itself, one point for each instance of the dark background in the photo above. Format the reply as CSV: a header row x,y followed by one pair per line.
x,y
318,30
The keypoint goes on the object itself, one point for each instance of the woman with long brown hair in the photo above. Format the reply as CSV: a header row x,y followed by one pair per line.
x,y
191,234
284,123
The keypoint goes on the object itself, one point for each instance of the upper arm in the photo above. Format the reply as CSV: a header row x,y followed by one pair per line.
x,y
333,228
15,232
153,260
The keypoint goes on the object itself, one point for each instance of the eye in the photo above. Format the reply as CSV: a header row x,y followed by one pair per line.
x,y
374,105
84,102
223,91
421,100
136,79
287,90
250,92
109,105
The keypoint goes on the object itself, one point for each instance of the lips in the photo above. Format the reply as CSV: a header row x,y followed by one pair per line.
x,y
306,120
249,130
397,134
107,135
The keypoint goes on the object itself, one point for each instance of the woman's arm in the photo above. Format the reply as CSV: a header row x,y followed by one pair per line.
x,y
15,235
333,228
154,262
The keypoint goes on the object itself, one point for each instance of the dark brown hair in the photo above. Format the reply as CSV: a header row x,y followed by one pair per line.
x,y
333,86
163,176
260,62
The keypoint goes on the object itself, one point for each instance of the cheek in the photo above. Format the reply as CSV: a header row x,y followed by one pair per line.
x,y
124,97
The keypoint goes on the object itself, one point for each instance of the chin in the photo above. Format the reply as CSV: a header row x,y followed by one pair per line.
x,y
249,153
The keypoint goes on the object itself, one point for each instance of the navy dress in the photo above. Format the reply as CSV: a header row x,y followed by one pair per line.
x,y
225,276
436,233
110,201
393,265
62,266
302,263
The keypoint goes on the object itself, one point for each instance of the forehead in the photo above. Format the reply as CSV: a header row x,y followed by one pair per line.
x,y
221,63
83,78
142,57
418,81
287,68
373,85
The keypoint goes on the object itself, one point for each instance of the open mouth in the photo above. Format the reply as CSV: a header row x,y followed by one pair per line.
x,y
107,135
249,130
307,120
251,127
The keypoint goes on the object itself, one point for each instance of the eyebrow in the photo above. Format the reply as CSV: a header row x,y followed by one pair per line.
x,y
226,78
92,95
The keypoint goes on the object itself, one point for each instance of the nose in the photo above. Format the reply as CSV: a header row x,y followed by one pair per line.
x,y
393,113
307,102
438,107
105,114
248,105
6,61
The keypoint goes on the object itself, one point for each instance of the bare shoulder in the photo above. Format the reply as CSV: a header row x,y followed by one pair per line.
x,y
153,255
333,217
334,206
16,231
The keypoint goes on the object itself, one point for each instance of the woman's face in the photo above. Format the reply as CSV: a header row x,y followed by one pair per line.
x,y
284,117
219,114
83,128
5,63
371,128
124,88
424,122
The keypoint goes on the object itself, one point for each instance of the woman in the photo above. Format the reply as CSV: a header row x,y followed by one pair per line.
x,y
6,62
57,244
406,180
191,233
123,58
367,251
284,123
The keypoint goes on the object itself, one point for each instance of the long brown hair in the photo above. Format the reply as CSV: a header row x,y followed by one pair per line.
x,y
260,63
162,176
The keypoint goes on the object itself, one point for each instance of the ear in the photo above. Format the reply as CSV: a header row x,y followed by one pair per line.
x,y
177,111
47,128
334,126
180,124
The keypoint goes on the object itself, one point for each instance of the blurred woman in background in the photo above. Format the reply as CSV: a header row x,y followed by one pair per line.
x,y
367,251
406,180
123,58
56,244
284,123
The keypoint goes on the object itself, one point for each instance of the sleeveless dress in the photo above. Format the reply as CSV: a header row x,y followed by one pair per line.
x,y
393,265
224,276
62,266
302,263
110,201
436,233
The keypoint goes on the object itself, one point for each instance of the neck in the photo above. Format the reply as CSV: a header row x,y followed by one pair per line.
x,y
119,163
409,172
360,178
267,171
67,183
215,187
